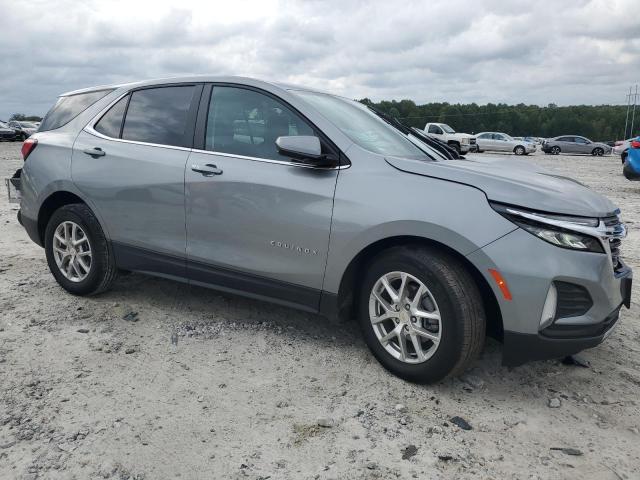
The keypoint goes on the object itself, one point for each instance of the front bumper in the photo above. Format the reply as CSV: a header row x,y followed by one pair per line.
x,y
520,348
529,266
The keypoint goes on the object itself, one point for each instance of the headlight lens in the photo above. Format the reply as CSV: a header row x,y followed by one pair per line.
x,y
557,230
464,140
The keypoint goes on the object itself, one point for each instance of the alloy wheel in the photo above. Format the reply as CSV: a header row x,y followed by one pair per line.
x,y
405,317
72,251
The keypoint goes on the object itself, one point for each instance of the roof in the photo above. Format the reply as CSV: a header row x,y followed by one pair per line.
x,y
191,79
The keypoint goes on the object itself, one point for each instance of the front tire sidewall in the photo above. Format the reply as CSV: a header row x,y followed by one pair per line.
x,y
518,150
99,248
448,352
555,150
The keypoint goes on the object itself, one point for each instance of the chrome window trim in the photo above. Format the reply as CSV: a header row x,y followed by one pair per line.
x,y
90,129
268,160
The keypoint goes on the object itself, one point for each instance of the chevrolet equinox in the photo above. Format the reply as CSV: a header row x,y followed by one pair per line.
x,y
317,202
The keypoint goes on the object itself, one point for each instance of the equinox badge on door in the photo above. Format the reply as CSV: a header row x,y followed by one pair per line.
x,y
292,247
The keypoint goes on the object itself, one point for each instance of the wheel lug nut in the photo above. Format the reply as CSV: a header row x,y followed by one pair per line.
x,y
414,319
407,306
397,307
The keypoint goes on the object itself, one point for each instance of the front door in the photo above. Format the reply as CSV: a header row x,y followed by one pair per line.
x,y
130,165
256,221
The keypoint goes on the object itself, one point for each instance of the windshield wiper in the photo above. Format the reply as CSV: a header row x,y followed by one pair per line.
x,y
438,145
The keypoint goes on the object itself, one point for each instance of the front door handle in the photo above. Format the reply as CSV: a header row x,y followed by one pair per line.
x,y
94,152
210,171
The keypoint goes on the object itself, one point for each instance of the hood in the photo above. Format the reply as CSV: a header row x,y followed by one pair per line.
x,y
463,135
515,182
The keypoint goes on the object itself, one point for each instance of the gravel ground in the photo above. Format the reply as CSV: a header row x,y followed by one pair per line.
x,y
204,385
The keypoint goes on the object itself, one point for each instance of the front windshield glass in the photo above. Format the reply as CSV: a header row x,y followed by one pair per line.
x,y
447,128
362,126
27,125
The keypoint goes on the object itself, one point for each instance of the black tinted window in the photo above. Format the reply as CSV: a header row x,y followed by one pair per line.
x,y
111,121
244,122
434,129
158,115
68,108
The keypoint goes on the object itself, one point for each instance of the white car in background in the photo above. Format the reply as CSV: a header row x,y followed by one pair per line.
x,y
501,142
621,148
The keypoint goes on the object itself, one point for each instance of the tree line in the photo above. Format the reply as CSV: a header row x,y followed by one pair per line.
x,y
597,122
21,117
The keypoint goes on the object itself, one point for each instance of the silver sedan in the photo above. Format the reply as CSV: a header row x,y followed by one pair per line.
x,y
501,142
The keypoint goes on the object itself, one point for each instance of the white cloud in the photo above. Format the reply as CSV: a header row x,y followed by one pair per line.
x,y
568,52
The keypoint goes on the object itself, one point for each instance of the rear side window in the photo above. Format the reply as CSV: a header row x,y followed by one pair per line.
x,y
158,115
69,107
435,129
111,122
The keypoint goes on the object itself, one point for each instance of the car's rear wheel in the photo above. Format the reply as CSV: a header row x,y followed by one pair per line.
x,y
77,251
597,152
421,314
519,150
555,150
623,156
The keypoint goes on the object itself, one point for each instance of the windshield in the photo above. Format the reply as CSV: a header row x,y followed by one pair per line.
x,y
27,125
447,128
362,126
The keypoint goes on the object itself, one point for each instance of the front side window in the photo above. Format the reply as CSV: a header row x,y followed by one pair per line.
x,y
158,115
69,107
435,129
247,123
581,140
111,122
362,126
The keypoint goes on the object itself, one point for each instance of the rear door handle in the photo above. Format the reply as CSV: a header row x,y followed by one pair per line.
x,y
210,171
94,152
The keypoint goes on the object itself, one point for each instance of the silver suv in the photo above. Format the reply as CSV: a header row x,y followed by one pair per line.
x,y
314,201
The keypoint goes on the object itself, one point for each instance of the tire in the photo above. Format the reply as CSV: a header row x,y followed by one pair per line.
x,y
456,147
102,269
462,323
597,152
555,150
519,150
623,156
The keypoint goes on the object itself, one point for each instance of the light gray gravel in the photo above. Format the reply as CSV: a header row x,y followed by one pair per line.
x,y
205,385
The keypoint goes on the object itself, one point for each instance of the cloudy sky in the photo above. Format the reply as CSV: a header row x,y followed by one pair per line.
x,y
568,52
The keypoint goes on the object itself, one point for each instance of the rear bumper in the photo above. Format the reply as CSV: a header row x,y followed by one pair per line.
x,y
520,348
31,226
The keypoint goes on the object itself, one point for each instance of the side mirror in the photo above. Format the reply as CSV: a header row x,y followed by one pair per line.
x,y
305,149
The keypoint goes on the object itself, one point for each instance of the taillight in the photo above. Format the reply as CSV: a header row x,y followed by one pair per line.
x,y
28,146
635,144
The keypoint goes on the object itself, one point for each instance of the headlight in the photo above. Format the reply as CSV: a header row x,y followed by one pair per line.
x,y
464,140
560,230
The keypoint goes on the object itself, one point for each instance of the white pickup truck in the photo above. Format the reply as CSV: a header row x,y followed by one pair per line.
x,y
462,142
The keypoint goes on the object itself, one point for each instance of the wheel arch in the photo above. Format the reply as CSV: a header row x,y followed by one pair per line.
x,y
347,292
52,203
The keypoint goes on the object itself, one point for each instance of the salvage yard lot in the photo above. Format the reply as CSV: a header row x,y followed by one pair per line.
x,y
206,385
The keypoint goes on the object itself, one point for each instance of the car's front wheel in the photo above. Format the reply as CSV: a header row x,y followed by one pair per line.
x,y
597,152
77,251
421,313
555,150
519,150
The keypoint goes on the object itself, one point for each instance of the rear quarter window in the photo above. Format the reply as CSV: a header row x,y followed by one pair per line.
x,y
69,107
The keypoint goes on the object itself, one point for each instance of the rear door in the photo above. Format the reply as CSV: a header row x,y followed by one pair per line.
x,y
568,145
130,164
256,221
